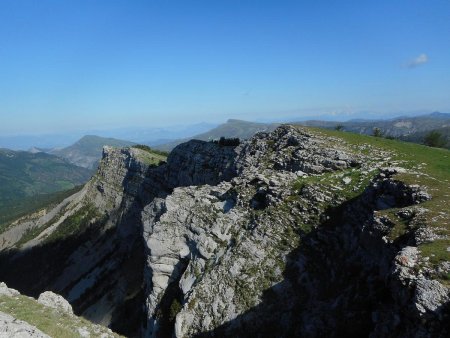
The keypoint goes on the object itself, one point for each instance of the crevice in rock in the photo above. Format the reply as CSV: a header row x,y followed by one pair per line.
x,y
336,286
171,301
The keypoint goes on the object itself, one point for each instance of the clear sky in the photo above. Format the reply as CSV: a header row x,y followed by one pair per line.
x,y
84,64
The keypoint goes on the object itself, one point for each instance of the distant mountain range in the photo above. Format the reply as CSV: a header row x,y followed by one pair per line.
x,y
232,128
396,127
413,129
87,151
157,135
143,135
167,137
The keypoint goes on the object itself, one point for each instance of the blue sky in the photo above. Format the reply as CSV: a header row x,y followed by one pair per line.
x,y
67,65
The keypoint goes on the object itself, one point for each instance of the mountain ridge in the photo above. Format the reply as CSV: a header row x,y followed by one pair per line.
x,y
395,127
232,128
87,151
410,128
251,239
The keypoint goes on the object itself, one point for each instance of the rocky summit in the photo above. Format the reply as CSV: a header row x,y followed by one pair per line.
x,y
292,233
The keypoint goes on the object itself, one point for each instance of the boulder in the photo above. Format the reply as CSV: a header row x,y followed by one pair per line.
x,y
55,301
4,290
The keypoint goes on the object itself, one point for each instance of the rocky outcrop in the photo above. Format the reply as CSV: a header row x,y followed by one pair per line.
x,y
93,241
55,301
292,150
228,256
50,316
199,162
288,234
90,251
11,327
5,291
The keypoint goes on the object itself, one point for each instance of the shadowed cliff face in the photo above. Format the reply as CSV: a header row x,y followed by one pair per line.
x,y
285,235
343,280
91,250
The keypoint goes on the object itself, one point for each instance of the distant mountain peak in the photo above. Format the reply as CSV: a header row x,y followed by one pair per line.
x,y
440,115
236,121
87,151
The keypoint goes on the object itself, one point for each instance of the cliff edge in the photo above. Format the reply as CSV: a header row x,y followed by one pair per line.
x,y
296,232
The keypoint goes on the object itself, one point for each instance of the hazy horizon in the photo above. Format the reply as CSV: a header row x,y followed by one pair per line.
x,y
284,117
155,135
83,65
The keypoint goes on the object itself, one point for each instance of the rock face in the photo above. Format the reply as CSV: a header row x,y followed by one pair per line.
x,y
199,162
55,301
287,234
5,291
91,251
11,327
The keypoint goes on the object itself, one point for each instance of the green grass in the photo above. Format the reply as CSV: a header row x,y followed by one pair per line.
x,y
428,167
437,159
54,323
77,223
150,156
437,251
36,231
151,150
335,179
431,166
400,226
32,233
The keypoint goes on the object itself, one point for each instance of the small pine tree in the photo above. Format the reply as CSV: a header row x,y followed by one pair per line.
x,y
339,127
434,139
377,132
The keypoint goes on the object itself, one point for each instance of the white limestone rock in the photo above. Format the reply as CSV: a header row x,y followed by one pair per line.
x,y
55,301
12,327
430,295
4,290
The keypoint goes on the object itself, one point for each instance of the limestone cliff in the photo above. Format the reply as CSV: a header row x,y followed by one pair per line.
x,y
291,233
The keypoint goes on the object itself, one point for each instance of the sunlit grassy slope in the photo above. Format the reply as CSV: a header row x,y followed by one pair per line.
x,y
150,156
53,322
429,167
